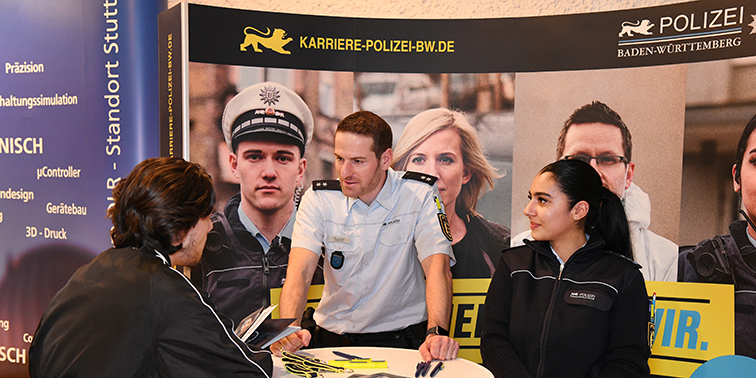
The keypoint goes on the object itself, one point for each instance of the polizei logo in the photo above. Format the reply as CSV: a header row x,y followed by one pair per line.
x,y
273,41
682,33
579,295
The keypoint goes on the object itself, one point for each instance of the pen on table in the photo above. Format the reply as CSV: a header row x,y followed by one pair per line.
x,y
347,355
437,369
419,368
426,368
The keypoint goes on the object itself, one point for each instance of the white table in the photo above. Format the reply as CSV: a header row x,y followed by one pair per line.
x,y
400,362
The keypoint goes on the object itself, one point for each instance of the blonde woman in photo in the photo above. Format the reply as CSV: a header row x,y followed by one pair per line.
x,y
440,142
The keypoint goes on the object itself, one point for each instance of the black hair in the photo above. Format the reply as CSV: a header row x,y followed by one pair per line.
x,y
160,200
742,145
606,215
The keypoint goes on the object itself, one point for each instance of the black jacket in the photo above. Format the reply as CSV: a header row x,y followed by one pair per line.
x,y
740,270
480,249
129,314
234,270
588,320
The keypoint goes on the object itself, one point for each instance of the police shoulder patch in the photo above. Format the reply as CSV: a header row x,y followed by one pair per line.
x,y
422,177
326,185
444,222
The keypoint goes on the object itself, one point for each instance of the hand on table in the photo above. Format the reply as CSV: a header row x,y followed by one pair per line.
x,y
437,347
291,343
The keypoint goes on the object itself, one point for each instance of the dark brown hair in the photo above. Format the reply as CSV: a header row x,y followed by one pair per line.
x,y
371,125
597,112
160,200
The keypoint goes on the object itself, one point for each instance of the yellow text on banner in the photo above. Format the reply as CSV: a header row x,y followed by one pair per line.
x,y
469,295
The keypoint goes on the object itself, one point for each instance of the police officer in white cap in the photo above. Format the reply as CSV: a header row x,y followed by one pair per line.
x,y
267,128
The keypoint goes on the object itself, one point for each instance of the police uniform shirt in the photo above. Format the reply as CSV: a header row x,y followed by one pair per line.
x,y
250,226
373,273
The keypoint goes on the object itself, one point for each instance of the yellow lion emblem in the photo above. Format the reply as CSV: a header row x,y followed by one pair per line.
x,y
275,41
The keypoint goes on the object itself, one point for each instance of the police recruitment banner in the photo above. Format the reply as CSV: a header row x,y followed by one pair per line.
x,y
516,80
693,322
679,33
77,95
689,32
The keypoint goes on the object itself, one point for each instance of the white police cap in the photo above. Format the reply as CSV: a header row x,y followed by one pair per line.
x,y
269,108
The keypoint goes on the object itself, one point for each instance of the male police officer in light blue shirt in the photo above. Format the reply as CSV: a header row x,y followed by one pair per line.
x,y
382,231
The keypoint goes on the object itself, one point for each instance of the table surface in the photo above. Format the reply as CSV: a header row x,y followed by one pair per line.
x,y
401,362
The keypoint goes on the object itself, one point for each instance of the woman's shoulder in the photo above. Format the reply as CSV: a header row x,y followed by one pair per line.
x,y
626,261
490,230
703,263
522,255
620,269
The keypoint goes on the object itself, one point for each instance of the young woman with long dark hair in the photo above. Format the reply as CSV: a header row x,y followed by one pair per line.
x,y
572,303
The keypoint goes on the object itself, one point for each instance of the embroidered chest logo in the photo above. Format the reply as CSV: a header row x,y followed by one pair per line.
x,y
579,295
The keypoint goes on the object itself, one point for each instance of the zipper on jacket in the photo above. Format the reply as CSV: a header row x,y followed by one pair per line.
x,y
547,321
266,273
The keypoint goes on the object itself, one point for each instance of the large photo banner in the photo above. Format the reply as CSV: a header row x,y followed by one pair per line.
x,y
77,112
677,75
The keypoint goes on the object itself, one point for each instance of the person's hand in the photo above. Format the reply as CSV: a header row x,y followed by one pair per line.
x,y
437,347
292,343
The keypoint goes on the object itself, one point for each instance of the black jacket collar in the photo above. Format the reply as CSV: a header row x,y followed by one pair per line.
x,y
595,246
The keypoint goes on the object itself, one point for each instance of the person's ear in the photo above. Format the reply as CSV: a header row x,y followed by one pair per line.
x,y
301,170
735,179
386,159
233,161
178,240
580,210
466,175
629,174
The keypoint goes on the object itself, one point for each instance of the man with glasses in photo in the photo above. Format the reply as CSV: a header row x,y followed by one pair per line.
x,y
597,135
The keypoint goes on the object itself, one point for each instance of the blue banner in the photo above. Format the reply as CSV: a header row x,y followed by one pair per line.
x,y
78,109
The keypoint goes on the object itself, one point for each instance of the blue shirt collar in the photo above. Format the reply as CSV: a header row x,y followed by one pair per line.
x,y
250,226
